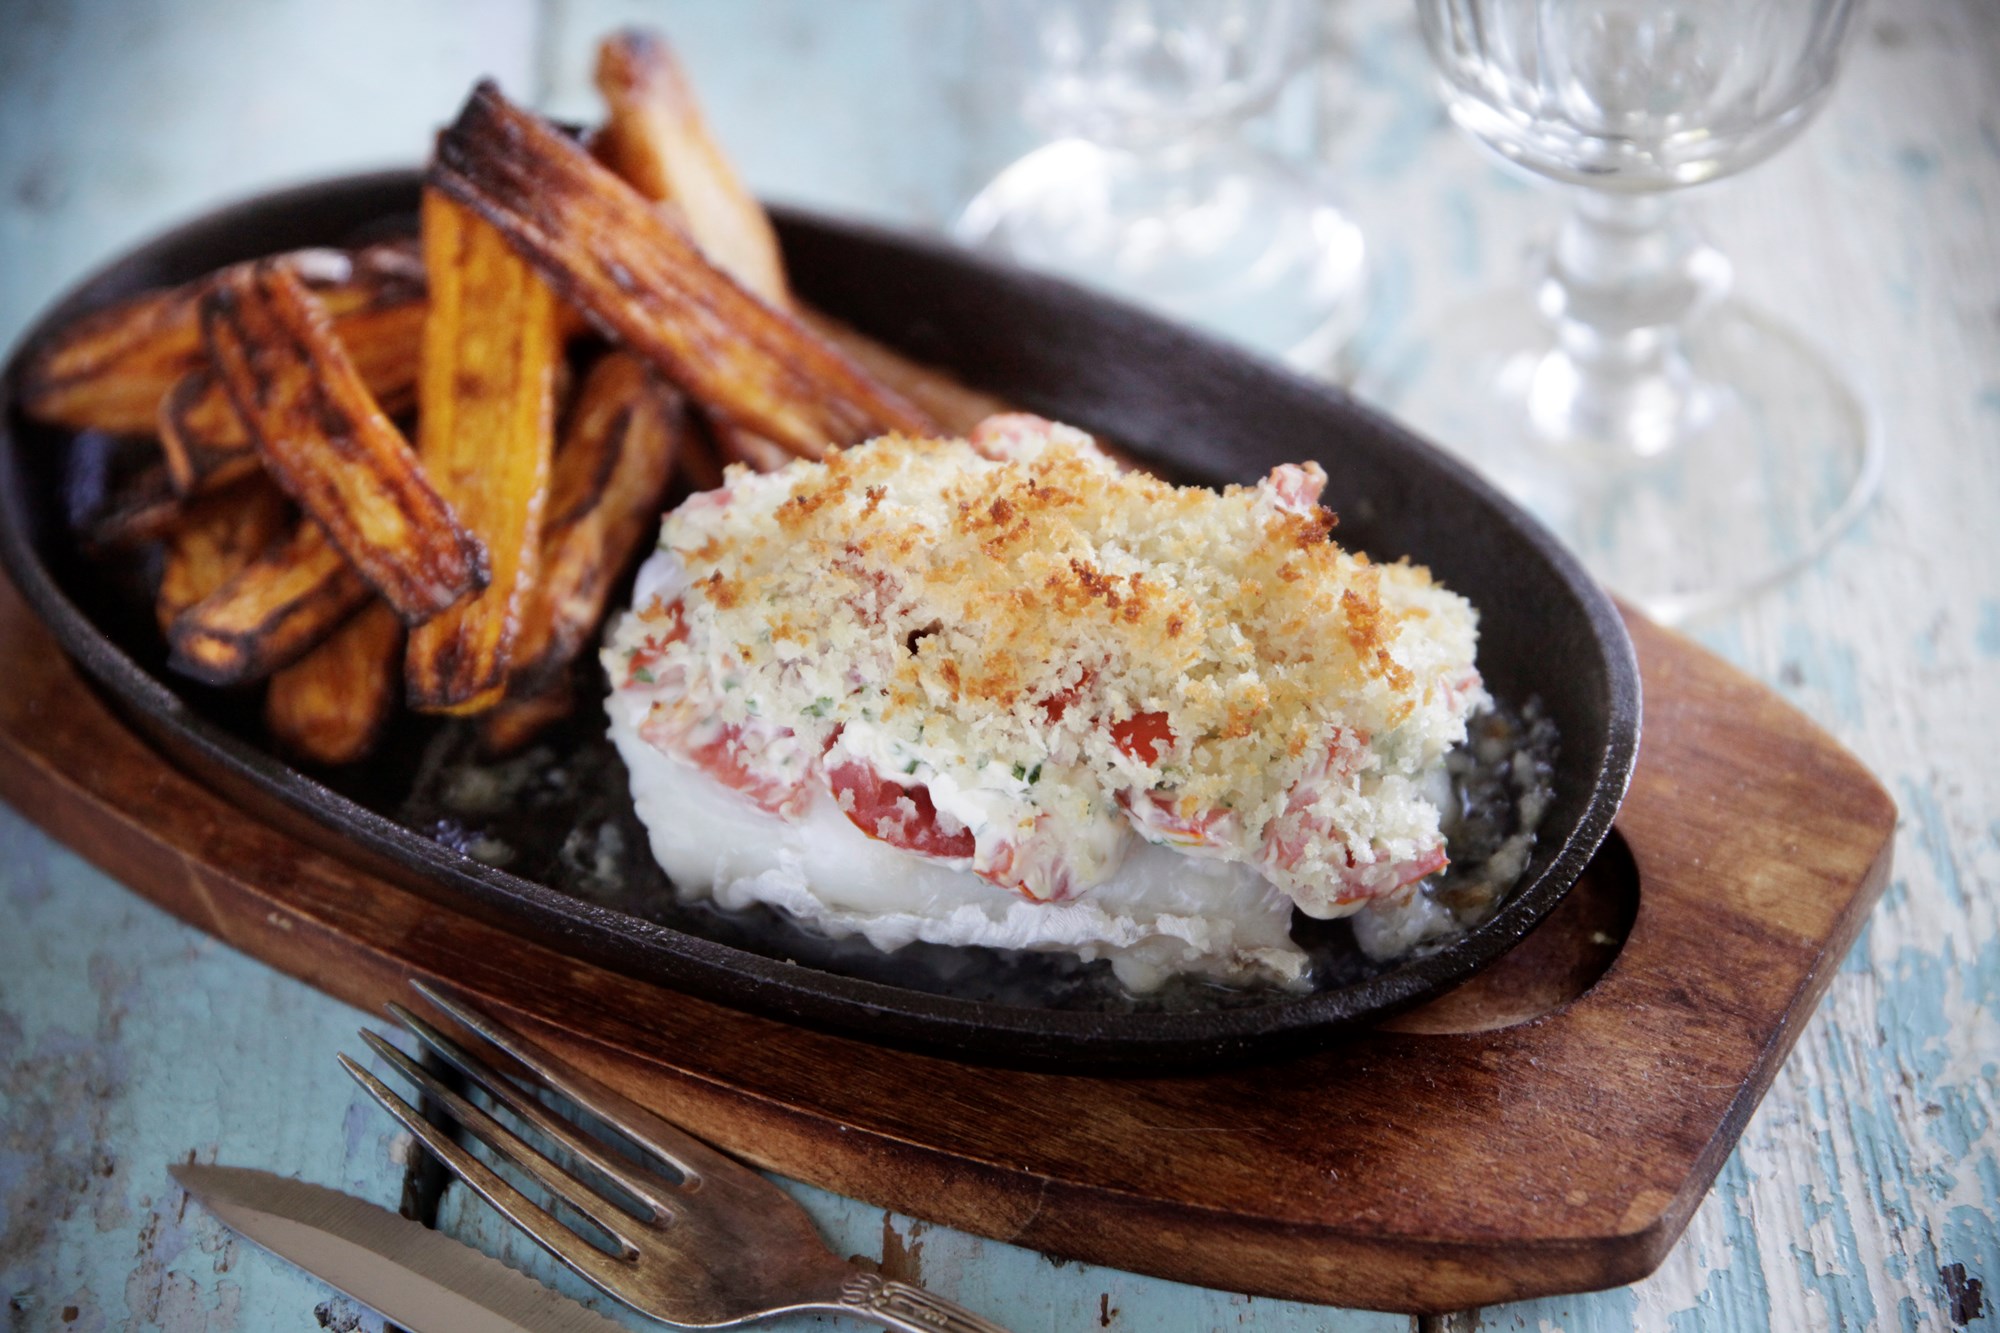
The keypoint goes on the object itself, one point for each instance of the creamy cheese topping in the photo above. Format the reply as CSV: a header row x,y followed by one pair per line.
x,y
1010,659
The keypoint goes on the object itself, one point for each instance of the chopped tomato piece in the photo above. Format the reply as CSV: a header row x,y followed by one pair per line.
x,y
672,628
1144,736
890,812
1058,703
724,756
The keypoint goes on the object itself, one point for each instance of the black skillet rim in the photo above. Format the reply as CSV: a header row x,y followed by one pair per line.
x,y
871,1011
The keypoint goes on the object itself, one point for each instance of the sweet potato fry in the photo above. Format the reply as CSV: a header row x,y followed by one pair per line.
x,y
513,723
656,139
379,319
485,432
216,538
610,253
292,596
331,705
328,445
957,407
610,478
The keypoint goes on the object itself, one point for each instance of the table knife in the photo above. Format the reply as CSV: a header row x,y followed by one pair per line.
x,y
418,1278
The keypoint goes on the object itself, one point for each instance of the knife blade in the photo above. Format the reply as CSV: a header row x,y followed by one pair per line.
x,y
421,1279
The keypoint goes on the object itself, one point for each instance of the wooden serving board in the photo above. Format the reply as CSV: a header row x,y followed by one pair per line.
x,y
1531,1133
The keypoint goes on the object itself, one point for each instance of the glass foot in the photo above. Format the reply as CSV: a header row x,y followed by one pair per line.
x,y
1732,467
1228,238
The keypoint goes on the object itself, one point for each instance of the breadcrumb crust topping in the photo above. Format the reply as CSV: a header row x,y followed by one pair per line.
x,y
1022,606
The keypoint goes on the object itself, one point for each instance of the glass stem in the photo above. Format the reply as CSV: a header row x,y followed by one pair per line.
x,y
1624,278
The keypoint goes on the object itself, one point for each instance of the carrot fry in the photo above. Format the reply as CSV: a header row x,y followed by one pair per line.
x,y
736,445
610,477
379,318
324,440
110,369
608,252
330,706
485,432
656,139
513,723
217,537
270,614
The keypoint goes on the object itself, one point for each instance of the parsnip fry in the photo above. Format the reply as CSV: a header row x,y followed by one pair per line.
x,y
957,407
324,440
608,252
330,706
110,369
485,432
271,613
656,140
217,537
610,478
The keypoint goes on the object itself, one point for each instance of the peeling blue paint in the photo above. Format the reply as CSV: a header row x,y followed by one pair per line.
x,y
1827,667
1736,1294
1843,1290
1988,634
1923,818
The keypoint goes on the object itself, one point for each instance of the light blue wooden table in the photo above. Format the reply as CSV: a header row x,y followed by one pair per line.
x,y
1866,1191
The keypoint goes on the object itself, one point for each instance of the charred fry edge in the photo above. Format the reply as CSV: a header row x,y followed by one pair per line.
x,y
324,440
331,705
485,434
610,253
270,614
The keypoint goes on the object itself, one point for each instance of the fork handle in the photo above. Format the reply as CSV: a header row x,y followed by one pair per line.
x,y
904,1308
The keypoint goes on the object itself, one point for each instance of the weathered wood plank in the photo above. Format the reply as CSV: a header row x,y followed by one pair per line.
x,y
129,1041
1871,1168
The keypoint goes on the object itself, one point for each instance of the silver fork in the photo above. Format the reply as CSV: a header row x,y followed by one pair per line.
x,y
718,1247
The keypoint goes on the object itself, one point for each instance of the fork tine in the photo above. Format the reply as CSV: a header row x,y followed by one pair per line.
x,y
686,1154
646,1186
510,1146
542,1227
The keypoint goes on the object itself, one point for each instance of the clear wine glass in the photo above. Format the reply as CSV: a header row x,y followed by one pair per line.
x,y
1691,448
1147,185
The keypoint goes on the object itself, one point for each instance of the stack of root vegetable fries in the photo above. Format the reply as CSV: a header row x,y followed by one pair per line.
x,y
418,470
